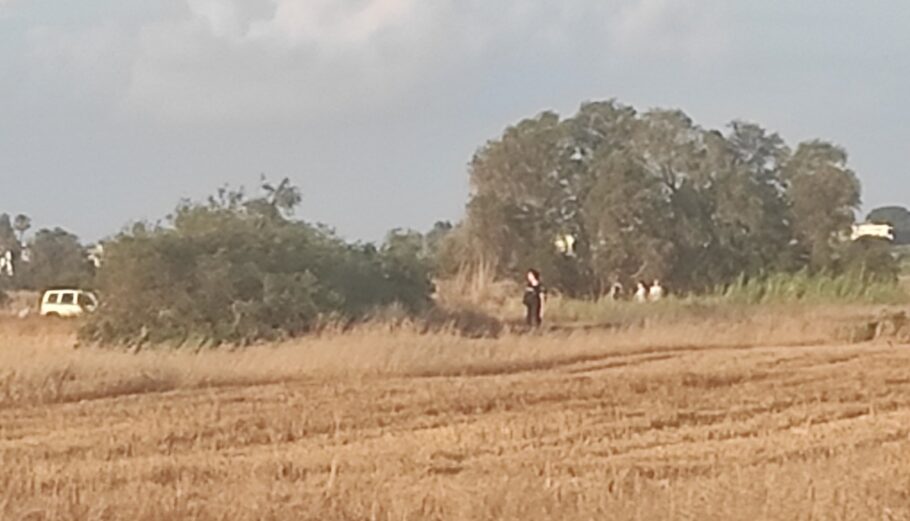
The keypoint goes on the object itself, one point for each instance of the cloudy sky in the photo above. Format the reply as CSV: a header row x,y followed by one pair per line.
x,y
113,110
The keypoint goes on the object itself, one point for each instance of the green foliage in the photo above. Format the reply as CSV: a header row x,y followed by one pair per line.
x,y
626,216
8,239
238,270
902,253
57,260
52,258
871,257
824,194
408,266
652,195
434,242
21,224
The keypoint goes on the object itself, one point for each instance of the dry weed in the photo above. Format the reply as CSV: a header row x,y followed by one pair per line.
x,y
758,417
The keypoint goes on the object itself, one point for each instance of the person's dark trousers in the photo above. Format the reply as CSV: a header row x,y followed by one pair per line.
x,y
533,316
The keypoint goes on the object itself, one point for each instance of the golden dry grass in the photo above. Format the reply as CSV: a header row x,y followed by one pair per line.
x,y
768,416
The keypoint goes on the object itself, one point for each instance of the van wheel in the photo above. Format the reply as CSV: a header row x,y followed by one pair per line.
x,y
52,315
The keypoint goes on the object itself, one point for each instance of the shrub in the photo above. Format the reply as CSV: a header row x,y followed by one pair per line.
x,y
235,271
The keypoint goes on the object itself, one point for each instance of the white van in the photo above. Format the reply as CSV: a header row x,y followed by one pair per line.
x,y
67,303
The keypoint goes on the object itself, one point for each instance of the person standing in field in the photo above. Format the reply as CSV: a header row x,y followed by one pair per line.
x,y
641,292
656,292
534,298
616,291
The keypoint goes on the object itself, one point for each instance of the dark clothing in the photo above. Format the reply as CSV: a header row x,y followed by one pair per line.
x,y
533,301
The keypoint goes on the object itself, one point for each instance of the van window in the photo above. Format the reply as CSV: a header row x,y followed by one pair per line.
x,y
53,298
67,298
85,300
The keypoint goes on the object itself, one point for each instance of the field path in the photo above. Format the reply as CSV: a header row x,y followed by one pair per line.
x,y
688,433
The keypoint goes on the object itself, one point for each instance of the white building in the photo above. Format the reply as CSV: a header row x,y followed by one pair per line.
x,y
96,254
879,231
6,264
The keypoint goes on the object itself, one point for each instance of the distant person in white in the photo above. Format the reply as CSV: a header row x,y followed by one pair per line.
x,y
656,292
6,264
641,292
616,291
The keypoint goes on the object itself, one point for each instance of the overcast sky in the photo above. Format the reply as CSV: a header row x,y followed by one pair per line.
x,y
111,111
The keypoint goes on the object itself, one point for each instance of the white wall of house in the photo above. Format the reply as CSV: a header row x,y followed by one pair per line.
x,y
880,231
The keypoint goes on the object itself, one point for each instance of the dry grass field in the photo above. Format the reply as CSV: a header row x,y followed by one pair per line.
x,y
770,416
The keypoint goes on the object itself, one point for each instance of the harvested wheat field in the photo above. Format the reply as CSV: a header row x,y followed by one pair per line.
x,y
769,417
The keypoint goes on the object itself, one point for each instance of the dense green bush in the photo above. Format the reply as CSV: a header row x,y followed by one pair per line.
x,y
237,270
871,259
903,259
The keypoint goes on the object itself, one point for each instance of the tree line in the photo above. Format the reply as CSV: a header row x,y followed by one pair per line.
x,y
608,195
648,195
49,258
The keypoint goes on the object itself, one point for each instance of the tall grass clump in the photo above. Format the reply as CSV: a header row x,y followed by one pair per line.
x,y
479,291
902,253
477,287
821,288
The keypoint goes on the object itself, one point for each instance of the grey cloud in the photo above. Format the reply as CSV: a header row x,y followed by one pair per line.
x,y
256,60
308,58
375,106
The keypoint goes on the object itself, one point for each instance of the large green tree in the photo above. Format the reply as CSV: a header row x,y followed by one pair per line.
x,y
57,259
22,223
8,239
824,195
524,195
652,195
628,221
686,163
